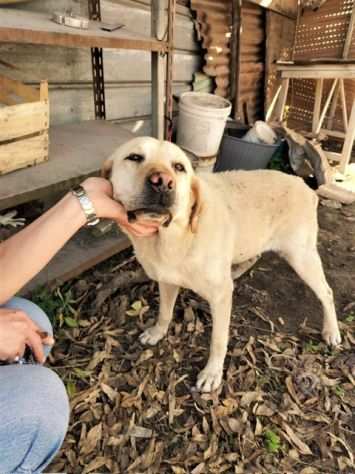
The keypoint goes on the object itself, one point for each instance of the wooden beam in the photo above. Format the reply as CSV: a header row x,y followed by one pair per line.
x,y
349,141
332,155
317,104
343,104
43,91
272,105
326,105
12,87
280,105
333,133
317,71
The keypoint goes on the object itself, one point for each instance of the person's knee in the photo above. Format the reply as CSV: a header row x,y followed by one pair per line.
x,y
33,311
43,412
51,406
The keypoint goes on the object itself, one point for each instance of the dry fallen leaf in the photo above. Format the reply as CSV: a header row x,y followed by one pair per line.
x,y
300,445
93,437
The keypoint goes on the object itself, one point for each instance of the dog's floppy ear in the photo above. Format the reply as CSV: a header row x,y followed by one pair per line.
x,y
196,204
106,169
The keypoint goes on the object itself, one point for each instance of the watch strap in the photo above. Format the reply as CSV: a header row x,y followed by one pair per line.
x,y
86,205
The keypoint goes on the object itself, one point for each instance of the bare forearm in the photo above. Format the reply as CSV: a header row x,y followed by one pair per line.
x,y
26,253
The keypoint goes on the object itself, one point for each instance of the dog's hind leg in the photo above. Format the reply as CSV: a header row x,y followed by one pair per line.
x,y
307,264
168,294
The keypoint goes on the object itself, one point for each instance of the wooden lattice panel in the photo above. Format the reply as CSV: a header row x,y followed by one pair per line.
x,y
301,103
322,33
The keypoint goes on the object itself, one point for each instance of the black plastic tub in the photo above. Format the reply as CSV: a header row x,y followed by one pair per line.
x,y
238,154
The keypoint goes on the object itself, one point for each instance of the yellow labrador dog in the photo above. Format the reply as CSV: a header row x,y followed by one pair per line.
x,y
209,223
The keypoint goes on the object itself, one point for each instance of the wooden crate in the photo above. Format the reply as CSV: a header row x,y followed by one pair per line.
x,y
24,123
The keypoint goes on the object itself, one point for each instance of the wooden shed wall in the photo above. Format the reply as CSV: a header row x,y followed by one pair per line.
x,y
127,73
321,34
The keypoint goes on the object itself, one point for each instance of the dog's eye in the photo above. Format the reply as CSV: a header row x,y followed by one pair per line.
x,y
179,167
135,157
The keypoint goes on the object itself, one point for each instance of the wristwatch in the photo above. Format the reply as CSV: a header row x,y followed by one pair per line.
x,y
86,205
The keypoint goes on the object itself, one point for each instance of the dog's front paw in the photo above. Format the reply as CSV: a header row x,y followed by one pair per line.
x,y
331,335
152,335
209,378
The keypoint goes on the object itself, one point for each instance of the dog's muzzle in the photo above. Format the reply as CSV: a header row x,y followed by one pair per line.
x,y
159,190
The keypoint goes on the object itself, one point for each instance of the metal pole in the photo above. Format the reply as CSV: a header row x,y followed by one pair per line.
x,y
97,66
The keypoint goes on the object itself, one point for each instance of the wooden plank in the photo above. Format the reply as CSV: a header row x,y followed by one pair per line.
x,y
272,105
26,152
13,87
280,104
317,104
23,119
335,192
343,104
349,141
43,91
75,152
333,133
325,108
17,26
332,155
5,99
333,106
315,71
78,255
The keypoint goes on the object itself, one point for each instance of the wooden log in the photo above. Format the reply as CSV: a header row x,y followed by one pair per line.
x,y
332,191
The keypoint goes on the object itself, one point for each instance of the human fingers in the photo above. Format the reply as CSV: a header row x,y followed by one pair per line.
x,y
34,341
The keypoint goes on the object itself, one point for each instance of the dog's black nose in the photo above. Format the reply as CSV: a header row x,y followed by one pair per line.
x,y
161,182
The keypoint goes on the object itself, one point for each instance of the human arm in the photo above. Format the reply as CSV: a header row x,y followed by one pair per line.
x,y
23,255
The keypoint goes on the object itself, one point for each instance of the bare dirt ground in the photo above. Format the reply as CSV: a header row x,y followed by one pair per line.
x,y
287,401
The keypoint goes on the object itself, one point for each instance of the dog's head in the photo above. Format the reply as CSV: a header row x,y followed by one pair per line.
x,y
154,175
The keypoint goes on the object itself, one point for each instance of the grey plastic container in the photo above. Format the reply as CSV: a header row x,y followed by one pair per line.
x,y
237,154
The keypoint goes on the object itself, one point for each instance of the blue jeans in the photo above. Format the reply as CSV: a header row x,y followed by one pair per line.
x,y
34,408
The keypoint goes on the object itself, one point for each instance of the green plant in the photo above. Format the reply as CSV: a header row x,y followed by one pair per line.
x,y
350,318
58,305
48,302
339,391
312,347
272,441
279,160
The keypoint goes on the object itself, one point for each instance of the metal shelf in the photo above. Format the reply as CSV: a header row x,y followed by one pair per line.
x,y
17,26
75,152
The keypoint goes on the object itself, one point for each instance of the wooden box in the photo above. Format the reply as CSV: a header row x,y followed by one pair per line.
x,y
24,123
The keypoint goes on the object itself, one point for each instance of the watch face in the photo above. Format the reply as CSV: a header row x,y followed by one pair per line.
x,y
79,191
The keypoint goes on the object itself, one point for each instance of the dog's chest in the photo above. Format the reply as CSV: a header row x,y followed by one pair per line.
x,y
169,265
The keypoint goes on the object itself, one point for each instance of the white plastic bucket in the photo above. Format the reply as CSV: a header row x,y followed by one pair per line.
x,y
261,133
202,118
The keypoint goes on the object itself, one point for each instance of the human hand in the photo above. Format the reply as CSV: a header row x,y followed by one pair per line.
x,y
100,193
17,331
